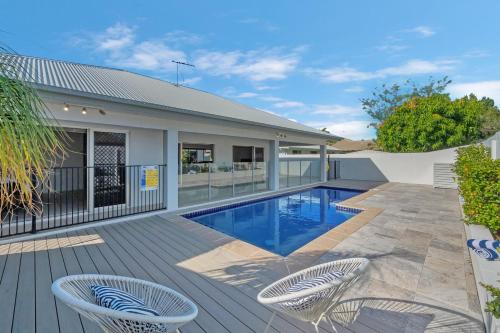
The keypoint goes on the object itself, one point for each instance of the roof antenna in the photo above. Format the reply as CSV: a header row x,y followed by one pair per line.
x,y
180,63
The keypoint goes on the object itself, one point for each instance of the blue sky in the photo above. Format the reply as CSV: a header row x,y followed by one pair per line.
x,y
308,61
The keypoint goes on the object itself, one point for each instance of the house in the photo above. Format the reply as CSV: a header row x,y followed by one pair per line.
x,y
342,146
137,143
306,150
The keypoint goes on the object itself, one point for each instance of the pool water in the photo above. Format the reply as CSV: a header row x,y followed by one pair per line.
x,y
281,224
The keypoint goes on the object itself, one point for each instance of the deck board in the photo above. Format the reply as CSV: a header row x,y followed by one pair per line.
x,y
69,320
226,302
208,311
46,313
8,287
24,312
184,246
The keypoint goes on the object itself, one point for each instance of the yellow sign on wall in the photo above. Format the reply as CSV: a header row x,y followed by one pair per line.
x,y
149,177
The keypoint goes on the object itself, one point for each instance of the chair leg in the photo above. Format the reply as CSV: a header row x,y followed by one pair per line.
x,y
332,323
269,322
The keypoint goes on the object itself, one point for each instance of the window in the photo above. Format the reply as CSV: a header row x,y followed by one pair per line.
x,y
248,154
197,153
259,154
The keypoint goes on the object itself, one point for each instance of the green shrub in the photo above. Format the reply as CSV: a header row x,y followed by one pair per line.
x,y
479,184
493,306
426,123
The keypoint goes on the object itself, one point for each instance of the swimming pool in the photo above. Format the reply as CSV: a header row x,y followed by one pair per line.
x,y
283,223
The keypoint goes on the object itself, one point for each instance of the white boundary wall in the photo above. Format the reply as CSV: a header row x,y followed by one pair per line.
x,y
413,168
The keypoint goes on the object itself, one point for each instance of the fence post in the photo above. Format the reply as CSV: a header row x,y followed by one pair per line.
x,y
34,183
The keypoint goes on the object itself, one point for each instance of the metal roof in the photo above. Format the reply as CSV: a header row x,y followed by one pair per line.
x,y
131,88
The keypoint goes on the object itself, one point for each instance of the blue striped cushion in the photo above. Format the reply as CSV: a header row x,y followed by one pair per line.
x,y
133,308
316,281
486,249
108,296
300,304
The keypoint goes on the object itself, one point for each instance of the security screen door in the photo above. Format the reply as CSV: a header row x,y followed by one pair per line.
x,y
109,169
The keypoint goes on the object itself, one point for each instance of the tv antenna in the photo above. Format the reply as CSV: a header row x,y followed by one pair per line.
x,y
177,63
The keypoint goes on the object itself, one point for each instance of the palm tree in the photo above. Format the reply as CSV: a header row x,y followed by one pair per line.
x,y
29,142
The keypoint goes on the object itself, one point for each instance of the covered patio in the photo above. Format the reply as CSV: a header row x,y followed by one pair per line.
x,y
420,277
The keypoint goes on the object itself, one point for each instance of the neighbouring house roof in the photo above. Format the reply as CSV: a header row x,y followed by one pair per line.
x,y
352,145
131,88
315,147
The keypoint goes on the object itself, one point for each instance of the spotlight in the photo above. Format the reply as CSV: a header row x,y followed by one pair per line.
x,y
66,107
84,110
102,112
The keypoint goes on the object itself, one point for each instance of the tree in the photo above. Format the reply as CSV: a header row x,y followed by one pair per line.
x,y
436,122
386,99
29,144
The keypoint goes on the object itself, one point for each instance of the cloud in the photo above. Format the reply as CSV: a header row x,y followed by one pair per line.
x,y
354,129
247,95
119,45
255,65
182,37
288,104
115,38
336,109
392,44
422,30
192,80
489,89
150,55
354,89
411,67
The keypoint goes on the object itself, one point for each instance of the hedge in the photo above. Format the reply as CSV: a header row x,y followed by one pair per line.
x,y
479,184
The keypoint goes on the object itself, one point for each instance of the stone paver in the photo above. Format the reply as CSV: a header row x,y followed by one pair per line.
x,y
416,246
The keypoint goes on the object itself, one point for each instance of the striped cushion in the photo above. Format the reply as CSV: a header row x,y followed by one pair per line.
x,y
486,249
133,308
304,303
108,296
316,281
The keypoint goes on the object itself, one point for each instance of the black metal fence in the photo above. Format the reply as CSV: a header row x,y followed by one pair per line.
x,y
76,195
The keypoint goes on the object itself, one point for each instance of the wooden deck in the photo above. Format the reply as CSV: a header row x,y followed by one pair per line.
x,y
149,249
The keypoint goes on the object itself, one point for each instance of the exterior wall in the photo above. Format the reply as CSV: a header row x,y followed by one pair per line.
x,y
223,145
118,114
414,168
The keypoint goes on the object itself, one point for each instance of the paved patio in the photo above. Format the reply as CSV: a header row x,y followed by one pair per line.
x,y
420,277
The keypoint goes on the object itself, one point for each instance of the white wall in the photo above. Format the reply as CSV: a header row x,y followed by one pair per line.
x,y
414,168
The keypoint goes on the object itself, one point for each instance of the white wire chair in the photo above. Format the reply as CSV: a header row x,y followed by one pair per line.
x,y
312,304
175,309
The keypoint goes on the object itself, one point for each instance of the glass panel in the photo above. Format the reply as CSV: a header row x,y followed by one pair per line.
x,y
294,173
315,173
193,184
259,154
305,170
283,174
243,178
260,177
221,182
242,154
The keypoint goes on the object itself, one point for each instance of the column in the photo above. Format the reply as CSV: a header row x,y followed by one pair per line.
x,y
274,165
495,149
323,163
171,158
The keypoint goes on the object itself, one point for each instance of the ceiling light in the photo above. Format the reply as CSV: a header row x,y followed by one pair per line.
x,y
66,107
84,110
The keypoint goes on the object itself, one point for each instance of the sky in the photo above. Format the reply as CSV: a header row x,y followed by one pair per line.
x,y
308,61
